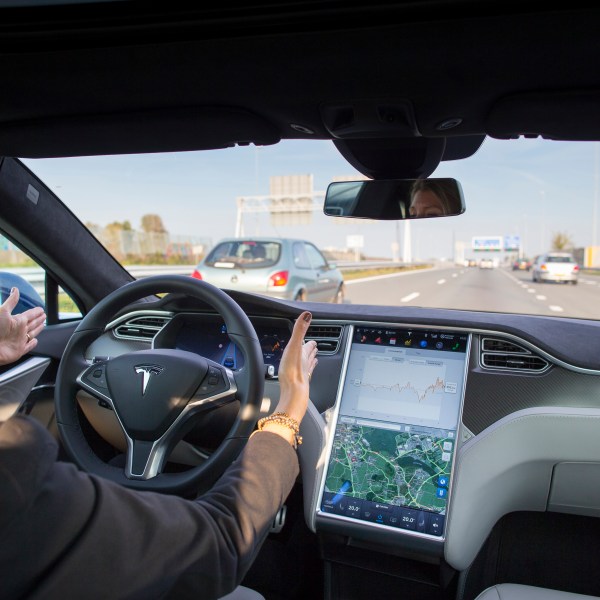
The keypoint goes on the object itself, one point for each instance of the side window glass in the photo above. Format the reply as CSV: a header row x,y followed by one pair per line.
x,y
300,258
18,270
316,258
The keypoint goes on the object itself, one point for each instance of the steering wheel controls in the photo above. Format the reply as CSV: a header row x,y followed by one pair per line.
x,y
214,383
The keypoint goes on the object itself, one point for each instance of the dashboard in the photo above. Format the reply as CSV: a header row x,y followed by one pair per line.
x,y
421,433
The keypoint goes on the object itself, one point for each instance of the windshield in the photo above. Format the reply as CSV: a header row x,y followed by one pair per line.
x,y
524,198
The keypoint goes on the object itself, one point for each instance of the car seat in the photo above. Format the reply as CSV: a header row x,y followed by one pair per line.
x,y
259,252
243,593
511,591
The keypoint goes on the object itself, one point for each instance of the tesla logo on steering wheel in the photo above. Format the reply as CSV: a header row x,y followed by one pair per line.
x,y
147,371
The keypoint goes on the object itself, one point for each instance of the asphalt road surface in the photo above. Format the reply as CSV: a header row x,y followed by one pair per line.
x,y
495,290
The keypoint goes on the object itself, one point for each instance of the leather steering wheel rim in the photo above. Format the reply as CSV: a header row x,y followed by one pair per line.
x,y
249,381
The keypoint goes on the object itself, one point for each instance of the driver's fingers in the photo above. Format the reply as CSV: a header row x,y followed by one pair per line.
x,y
310,351
34,313
12,300
301,327
35,327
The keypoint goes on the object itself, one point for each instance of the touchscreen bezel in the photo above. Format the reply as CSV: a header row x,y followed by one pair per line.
x,y
329,518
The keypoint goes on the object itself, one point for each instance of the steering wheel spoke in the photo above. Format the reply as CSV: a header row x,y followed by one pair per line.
x,y
145,458
217,388
93,380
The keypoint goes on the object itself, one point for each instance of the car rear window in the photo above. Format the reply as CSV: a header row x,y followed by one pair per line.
x,y
560,259
248,254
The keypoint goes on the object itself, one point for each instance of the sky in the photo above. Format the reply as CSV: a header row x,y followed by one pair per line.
x,y
530,188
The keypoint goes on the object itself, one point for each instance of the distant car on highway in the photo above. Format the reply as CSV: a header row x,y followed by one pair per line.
x,y
556,266
486,263
521,264
281,267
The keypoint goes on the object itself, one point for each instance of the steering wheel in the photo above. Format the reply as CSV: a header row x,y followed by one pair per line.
x,y
155,393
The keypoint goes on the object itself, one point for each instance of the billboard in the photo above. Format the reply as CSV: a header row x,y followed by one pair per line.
x,y
512,242
291,199
488,243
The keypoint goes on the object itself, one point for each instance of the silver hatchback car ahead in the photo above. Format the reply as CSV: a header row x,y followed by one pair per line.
x,y
555,266
280,267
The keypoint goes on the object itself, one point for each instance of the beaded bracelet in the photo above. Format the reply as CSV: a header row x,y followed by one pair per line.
x,y
284,419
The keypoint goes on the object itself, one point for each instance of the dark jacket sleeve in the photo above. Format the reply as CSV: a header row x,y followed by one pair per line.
x,y
66,534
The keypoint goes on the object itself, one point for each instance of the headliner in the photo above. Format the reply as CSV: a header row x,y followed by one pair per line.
x,y
117,78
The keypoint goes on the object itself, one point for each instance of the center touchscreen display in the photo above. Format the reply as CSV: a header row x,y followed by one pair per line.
x,y
393,448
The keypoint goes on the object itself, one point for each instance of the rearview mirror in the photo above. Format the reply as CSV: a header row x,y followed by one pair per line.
x,y
394,199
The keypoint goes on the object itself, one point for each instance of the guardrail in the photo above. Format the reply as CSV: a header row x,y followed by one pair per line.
x,y
35,275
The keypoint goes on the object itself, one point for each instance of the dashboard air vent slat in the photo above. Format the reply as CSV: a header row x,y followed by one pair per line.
x,y
141,328
496,345
505,355
326,336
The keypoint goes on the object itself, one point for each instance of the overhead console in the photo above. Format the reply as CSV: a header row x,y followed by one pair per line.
x,y
390,454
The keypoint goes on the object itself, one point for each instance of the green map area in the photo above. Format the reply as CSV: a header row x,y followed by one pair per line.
x,y
396,467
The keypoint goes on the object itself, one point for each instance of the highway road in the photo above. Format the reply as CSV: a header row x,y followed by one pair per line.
x,y
499,290
496,290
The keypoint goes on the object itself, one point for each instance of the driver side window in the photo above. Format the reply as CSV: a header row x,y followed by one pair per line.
x,y
36,287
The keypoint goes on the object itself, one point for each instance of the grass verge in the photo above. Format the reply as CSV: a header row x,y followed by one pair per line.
x,y
359,273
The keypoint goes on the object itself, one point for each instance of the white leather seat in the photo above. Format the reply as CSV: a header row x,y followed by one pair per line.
x,y
511,591
243,593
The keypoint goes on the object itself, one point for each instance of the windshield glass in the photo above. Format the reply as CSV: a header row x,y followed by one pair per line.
x,y
524,198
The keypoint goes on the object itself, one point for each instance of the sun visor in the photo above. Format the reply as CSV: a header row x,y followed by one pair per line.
x,y
199,128
568,115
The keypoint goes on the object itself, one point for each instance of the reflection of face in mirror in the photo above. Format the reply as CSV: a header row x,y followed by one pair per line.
x,y
394,199
433,198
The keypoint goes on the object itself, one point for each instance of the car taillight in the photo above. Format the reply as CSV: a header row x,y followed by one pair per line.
x,y
196,274
279,279
575,268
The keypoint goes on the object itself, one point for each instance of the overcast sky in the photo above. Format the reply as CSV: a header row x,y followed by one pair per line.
x,y
531,188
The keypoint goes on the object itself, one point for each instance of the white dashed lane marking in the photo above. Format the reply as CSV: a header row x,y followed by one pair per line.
x,y
440,281
552,307
410,297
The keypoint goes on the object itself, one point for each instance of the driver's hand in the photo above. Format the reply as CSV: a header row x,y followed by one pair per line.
x,y
18,332
295,370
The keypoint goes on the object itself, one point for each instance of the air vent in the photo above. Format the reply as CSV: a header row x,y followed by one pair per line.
x,y
326,336
142,328
496,345
507,356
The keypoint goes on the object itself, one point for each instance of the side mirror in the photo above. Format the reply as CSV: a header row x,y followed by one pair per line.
x,y
394,199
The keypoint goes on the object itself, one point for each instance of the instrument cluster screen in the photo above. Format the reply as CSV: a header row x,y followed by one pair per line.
x,y
209,339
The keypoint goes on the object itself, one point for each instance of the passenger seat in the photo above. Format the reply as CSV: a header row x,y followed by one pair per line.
x,y
244,593
512,591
